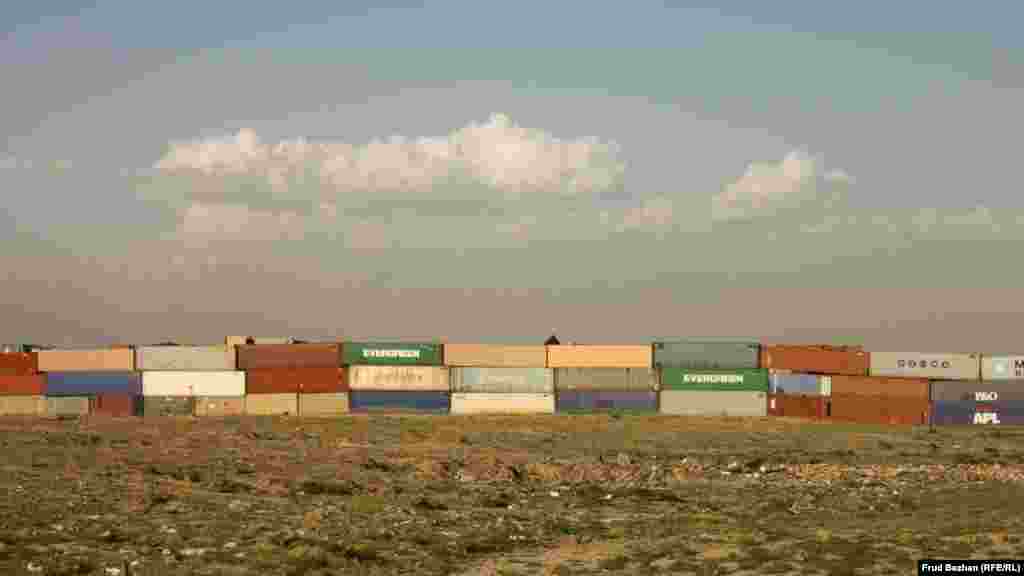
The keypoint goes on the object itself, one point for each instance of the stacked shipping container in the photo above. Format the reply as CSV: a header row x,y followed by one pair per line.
x,y
21,384
178,380
495,379
711,378
294,379
95,381
802,376
591,379
397,377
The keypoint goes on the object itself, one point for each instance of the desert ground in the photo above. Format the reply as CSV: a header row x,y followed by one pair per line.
x,y
490,496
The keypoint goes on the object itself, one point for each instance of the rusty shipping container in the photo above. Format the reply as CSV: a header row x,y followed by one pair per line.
x,y
57,406
926,365
816,359
794,384
891,410
713,403
1002,367
497,403
610,379
797,406
32,405
100,360
503,380
323,404
161,406
296,380
399,378
19,363
219,406
432,402
182,358
23,385
265,356
117,405
494,356
272,404
707,354
600,356
880,386
592,401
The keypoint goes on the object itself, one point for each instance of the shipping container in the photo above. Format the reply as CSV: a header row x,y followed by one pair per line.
x,y
89,383
977,391
160,406
892,410
495,356
266,356
399,401
193,383
34,385
816,359
296,380
797,406
103,360
713,403
272,404
714,380
180,358
323,404
57,406
1002,367
597,356
10,348
19,363
399,378
584,401
707,354
117,405
612,379
880,386
496,403
393,353
969,413
792,383
219,406
233,341
926,365
30,405
503,380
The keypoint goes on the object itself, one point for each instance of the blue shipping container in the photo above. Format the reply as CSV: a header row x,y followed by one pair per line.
x,y
796,384
89,383
966,413
603,400
399,401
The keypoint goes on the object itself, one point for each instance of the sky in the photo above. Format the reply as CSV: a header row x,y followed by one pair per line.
x,y
793,171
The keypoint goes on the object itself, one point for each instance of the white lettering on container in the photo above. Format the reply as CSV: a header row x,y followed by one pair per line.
x,y
986,396
986,418
713,378
371,353
923,364
1018,368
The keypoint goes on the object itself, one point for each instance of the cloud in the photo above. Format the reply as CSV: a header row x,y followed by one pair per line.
x,y
203,223
653,213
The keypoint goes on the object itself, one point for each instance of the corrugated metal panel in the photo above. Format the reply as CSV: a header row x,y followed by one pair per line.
x,y
879,386
393,353
18,363
978,391
1002,368
193,383
329,404
241,340
68,405
34,405
219,406
597,356
615,379
879,409
816,359
714,380
492,403
288,380
159,406
1004,413
422,378
105,360
192,358
259,357
713,403
796,406
23,385
399,401
799,384
503,380
495,356
272,404
87,383
572,401
926,365
117,405
701,354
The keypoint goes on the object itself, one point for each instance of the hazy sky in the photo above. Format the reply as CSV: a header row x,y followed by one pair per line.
x,y
790,171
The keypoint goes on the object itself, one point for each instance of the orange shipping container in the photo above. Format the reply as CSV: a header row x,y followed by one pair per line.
x,y
880,409
796,406
18,363
101,360
288,380
816,359
880,386
591,356
23,385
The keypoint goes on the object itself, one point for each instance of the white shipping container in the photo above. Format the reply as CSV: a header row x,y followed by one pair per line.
x,y
193,383
713,403
1002,368
926,365
194,358
496,403
418,378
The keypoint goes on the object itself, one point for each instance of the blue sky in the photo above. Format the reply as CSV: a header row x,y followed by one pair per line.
x,y
489,171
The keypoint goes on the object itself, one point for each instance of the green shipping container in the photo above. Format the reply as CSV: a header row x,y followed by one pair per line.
x,y
713,380
392,353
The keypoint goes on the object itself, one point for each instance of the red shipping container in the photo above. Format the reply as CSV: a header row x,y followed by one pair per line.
x,y
816,359
797,406
288,380
288,356
23,385
880,409
116,405
19,363
881,386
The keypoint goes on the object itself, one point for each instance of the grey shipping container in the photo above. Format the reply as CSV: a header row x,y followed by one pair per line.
x,y
713,403
68,405
1007,413
979,391
503,380
707,354
621,379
